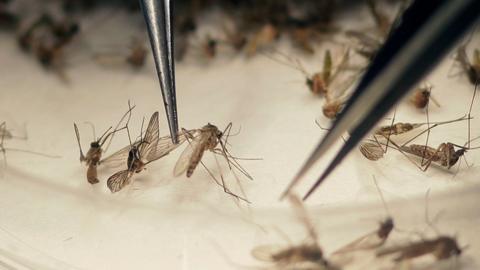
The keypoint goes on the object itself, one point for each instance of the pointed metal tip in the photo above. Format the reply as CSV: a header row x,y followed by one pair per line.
x,y
158,16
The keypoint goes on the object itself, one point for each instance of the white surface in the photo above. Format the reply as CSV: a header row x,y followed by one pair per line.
x,y
51,211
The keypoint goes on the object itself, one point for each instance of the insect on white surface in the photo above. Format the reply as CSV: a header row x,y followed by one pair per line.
x,y
209,138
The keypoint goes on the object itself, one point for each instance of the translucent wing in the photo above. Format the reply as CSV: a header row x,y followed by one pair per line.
x,y
118,158
150,140
368,241
164,147
371,151
302,214
265,252
185,158
119,180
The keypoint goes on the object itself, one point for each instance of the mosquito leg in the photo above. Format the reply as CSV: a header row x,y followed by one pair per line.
x,y
390,131
406,155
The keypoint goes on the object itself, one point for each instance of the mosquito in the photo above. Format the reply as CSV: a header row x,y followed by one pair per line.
x,y
442,247
422,96
307,255
337,95
372,149
445,154
142,152
208,138
374,239
470,68
318,82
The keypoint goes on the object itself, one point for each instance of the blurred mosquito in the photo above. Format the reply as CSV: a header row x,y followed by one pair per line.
x,y
442,247
265,36
470,68
337,95
94,154
319,82
375,239
422,96
208,138
307,255
139,154
135,55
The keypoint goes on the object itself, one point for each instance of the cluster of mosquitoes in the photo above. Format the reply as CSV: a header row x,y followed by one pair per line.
x,y
253,28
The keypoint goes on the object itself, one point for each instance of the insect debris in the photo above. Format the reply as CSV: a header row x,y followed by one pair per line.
x,y
149,148
208,138
94,154
307,255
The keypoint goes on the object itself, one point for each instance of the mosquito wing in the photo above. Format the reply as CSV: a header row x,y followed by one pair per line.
x,y
266,252
365,242
371,151
119,180
186,157
118,158
164,147
302,214
150,140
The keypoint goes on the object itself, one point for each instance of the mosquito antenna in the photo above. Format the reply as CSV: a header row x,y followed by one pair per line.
x,y
129,113
82,157
93,129
105,133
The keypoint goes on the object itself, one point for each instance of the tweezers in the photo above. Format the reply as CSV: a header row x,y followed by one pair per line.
x,y
419,39
158,15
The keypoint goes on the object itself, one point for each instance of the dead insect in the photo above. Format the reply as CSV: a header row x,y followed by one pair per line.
x,y
422,96
208,138
442,247
148,149
319,82
138,53
470,68
444,155
263,38
94,154
372,240
308,255
336,96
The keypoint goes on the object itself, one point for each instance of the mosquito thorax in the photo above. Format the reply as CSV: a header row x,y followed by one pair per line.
x,y
95,144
